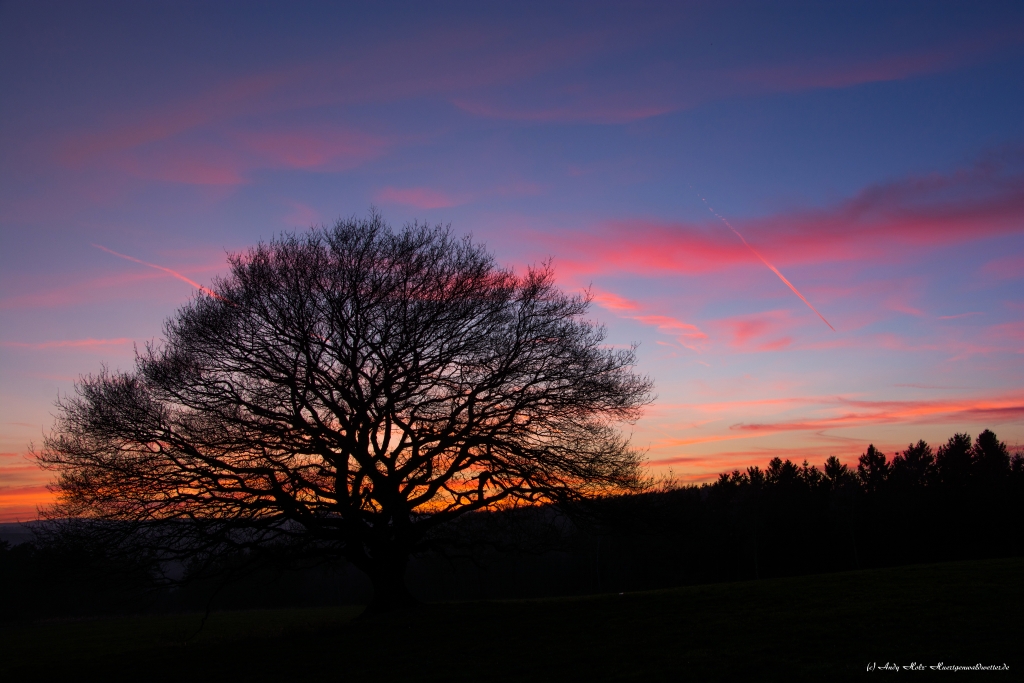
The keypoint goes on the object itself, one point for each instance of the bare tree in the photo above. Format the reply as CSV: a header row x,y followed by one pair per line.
x,y
351,389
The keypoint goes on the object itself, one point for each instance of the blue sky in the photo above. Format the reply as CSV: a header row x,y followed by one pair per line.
x,y
871,152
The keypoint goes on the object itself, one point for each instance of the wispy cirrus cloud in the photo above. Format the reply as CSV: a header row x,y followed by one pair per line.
x,y
312,147
812,428
301,215
82,288
87,289
69,343
20,503
24,474
957,316
705,468
484,69
611,111
871,68
855,413
417,197
224,101
1012,332
653,89
727,460
207,137
23,488
230,157
1009,267
421,197
212,167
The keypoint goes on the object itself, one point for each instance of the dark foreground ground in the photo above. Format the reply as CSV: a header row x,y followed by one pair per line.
x,y
824,627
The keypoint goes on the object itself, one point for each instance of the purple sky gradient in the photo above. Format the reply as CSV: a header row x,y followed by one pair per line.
x,y
872,152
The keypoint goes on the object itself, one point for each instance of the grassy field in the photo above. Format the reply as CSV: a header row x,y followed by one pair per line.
x,y
824,627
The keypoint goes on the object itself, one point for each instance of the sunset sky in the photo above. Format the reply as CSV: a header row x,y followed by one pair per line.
x,y
683,160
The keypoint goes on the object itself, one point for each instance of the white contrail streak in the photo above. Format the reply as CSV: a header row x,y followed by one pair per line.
x,y
166,270
765,261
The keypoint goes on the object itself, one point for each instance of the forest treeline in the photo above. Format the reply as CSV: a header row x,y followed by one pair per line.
x,y
961,500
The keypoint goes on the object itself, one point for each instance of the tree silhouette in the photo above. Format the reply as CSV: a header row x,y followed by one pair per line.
x,y
990,459
843,489
953,461
837,474
872,469
914,467
347,391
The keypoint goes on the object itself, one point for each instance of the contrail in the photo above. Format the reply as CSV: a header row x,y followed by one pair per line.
x,y
166,270
764,260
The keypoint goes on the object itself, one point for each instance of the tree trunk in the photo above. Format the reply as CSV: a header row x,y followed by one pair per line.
x,y
390,593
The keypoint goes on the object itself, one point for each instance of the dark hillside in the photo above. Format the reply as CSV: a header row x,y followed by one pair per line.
x,y
824,627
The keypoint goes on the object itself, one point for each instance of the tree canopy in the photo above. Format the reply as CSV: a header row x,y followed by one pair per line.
x,y
350,389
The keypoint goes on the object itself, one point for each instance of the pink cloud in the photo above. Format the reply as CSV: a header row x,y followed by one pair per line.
x,y
886,222
686,334
301,215
418,197
613,302
644,247
784,329
1005,268
771,267
762,332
